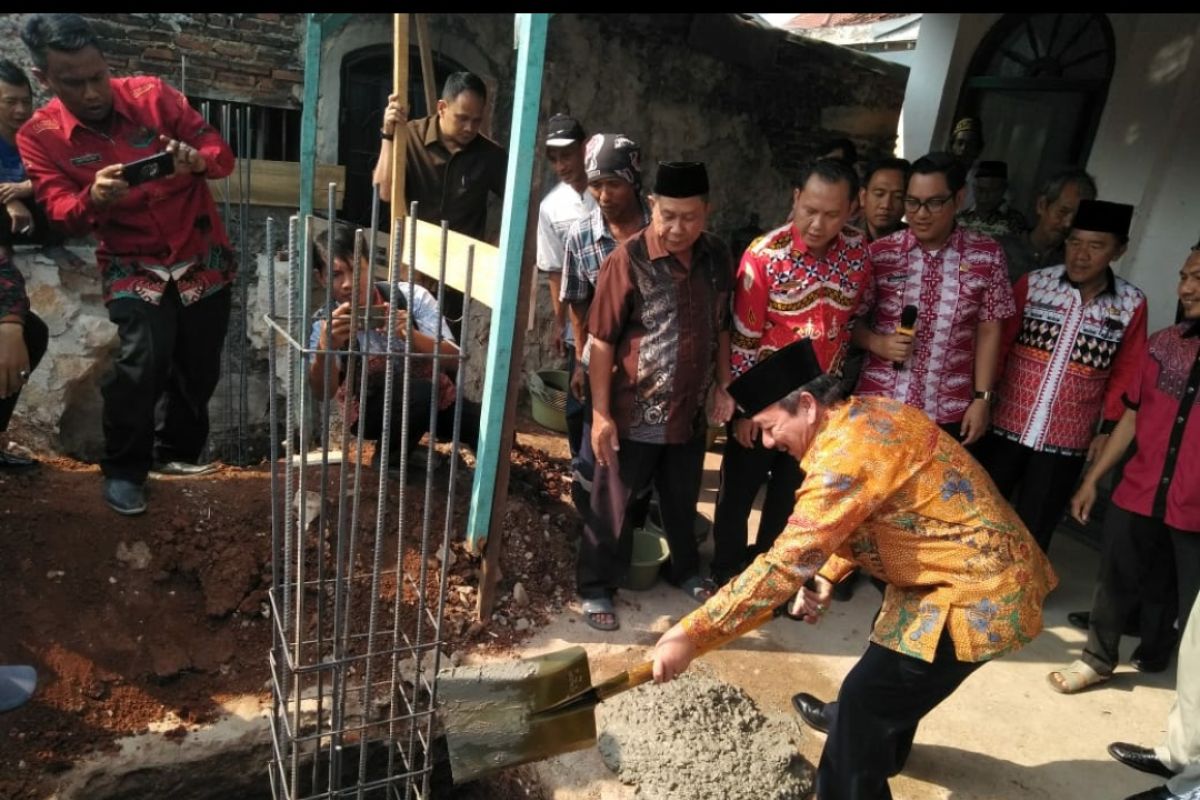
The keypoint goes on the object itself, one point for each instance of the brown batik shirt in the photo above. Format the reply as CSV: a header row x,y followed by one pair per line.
x,y
662,319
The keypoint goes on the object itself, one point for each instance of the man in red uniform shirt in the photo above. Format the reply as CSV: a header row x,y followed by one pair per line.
x,y
164,257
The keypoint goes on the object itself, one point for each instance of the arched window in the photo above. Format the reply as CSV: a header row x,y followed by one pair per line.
x,y
1038,83
366,83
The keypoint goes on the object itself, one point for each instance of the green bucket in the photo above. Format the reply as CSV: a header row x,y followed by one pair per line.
x,y
548,394
650,552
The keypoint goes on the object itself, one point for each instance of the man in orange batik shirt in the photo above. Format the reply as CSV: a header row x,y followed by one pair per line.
x,y
889,491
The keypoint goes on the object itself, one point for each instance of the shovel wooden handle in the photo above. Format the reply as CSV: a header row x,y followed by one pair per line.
x,y
644,672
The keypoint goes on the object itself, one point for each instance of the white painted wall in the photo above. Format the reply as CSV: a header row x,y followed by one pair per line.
x,y
944,50
1147,150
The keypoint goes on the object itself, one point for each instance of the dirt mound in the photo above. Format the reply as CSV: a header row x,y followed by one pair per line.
x,y
128,620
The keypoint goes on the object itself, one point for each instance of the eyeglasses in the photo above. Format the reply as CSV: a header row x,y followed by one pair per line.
x,y
933,205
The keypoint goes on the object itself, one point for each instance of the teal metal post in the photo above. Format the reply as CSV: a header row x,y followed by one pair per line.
x,y
531,52
313,35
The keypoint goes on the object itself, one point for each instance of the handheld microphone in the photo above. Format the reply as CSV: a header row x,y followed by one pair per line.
x,y
907,326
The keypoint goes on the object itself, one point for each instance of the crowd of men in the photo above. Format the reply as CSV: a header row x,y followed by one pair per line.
x,y
923,381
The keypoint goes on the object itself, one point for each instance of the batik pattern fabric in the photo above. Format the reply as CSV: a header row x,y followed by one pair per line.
x,y
13,300
1002,222
784,293
954,289
662,319
1067,362
890,492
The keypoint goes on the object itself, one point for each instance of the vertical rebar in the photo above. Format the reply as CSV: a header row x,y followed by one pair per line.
x,y
230,136
448,530
289,504
244,283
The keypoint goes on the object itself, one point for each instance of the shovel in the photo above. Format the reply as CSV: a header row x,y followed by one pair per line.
x,y
500,715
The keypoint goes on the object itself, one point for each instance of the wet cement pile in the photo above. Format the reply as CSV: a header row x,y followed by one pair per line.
x,y
700,739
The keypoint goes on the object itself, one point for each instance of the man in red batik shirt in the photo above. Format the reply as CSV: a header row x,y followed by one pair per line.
x,y
804,280
163,254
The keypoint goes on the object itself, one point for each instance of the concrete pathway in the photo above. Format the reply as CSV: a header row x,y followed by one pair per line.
x,y
1004,734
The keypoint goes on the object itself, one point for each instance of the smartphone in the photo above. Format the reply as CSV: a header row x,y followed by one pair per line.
x,y
378,315
148,169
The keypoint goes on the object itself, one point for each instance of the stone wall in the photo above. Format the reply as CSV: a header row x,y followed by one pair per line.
x,y
752,103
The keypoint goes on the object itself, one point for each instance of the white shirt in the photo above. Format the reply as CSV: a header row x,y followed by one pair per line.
x,y
561,206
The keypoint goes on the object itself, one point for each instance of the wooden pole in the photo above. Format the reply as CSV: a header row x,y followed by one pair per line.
x,y
400,87
425,47
489,490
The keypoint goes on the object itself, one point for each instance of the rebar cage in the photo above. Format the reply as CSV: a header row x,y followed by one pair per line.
x,y
359,551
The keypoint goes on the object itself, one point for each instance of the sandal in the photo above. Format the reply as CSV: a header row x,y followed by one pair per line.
x,y
699,589
1075,678
595,609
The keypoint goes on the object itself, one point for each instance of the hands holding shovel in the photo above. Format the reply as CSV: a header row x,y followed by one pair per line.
x,y
675,651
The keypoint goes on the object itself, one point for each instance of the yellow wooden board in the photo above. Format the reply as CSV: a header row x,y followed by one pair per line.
x,y
277,183
486,266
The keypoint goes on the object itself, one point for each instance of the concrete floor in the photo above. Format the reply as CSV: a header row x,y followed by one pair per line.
x,y
1004,734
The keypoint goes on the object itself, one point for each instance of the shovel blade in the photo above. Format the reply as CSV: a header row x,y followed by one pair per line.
x,y
487,712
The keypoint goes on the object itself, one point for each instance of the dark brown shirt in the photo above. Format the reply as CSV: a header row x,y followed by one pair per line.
x,y
662,319
453,187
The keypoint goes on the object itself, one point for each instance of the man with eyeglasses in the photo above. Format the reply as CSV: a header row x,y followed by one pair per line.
x,y
956,283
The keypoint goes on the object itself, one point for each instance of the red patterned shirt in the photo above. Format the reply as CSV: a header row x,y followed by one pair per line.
x,y
1067,361
163,229
785,293
954,289
1158,481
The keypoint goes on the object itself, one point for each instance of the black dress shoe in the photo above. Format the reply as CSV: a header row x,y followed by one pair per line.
x,y
1140,758
1157,793
1080,619
814,712
1143,664
13,464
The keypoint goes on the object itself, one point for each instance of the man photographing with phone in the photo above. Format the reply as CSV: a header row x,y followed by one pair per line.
x,y
164,257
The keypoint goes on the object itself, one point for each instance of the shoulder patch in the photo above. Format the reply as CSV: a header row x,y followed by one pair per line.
x,y
44,124
142,90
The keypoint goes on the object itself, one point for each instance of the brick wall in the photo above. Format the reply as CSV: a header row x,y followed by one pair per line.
x,y
248,58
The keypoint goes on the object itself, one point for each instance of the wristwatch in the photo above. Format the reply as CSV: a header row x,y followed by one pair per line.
x,y
988,395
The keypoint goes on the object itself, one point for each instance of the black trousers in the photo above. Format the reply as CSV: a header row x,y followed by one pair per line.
x,y
675,471
156,394
43,233
576,412
1143,560
1044,482
37,337
421,397
884,697
743,471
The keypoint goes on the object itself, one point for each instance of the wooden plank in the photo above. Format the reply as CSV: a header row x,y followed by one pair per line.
x,y
489,490
399,204
277,183
426,50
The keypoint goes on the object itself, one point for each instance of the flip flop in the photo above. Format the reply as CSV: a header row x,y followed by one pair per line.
x,y
16,686
594,607
1075,678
